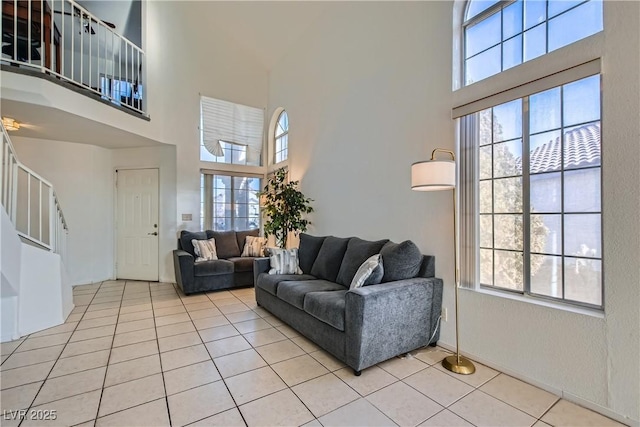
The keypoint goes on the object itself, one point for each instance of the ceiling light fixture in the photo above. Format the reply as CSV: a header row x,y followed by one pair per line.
x,y
10,124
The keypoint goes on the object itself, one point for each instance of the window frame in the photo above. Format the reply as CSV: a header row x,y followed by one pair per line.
x,y
279,136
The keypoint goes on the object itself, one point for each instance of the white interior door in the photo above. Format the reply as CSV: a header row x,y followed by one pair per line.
x,y
137,224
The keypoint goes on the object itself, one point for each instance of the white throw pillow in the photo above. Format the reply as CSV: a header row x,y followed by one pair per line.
x,y
365,271
254,246
205,250
284,261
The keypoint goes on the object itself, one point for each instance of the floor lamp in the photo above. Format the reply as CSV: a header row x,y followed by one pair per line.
x,y
436,175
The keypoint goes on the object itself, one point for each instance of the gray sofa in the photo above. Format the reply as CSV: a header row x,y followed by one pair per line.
x,y
229,271
363,326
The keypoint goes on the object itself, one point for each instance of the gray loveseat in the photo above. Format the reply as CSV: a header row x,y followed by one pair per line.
x,y
363,326
229,271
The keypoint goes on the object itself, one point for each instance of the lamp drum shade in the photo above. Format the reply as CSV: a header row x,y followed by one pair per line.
x,y
433,175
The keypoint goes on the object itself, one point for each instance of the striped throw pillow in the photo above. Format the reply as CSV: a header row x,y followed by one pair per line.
x,y
205,250
254,246
284,261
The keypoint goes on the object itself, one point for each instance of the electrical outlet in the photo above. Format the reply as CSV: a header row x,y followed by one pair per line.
x,y
444,314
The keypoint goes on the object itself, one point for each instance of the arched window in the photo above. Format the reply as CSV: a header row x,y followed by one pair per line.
x,y
281,138
499,35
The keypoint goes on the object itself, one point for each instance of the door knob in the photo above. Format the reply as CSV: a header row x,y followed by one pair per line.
x,y
155,233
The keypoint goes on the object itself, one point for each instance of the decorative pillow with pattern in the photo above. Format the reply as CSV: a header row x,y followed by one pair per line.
x,y
369,273
205,249
254,246
284,261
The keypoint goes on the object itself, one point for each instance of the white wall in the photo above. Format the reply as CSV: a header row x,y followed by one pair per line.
x,y
368,92
82,178
10,255
196,59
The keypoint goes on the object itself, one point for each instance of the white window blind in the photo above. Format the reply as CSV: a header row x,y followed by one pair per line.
x,y
224,124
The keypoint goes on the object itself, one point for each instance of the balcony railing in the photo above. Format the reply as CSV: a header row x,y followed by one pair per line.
x,y
31,202
63,39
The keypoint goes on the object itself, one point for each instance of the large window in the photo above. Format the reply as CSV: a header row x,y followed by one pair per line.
x,y
530,151
229,202
501,35
539,205
230,133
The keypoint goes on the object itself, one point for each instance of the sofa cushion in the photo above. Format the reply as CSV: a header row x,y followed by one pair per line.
x,y
187,236
400,261
308,251
212,268
294,292
242,235
241,264
269,282
226,243
327,263
328,307
358,251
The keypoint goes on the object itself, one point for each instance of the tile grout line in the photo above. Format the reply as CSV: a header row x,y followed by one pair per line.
x,y
164,384
56,361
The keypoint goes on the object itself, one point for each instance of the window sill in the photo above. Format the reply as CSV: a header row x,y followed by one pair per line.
x,y
592,312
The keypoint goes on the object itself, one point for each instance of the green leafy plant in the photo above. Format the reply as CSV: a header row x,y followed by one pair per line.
x,y
284,207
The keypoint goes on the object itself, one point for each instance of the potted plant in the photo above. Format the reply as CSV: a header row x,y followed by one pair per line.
x,y
284,206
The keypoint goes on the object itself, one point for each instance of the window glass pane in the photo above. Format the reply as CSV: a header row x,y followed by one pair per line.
x,y
558,6
512,20
545,192
485,197
546,275
508,270
512,53
507,159
535,12
546,234
582,236
476,7
508,232
544,111
582,146
507,121
484,118
486,267
508,195
582,190
485,162
545,153
535,42
483,65
483,35
206,156
583,280
581,101
486,231
575,24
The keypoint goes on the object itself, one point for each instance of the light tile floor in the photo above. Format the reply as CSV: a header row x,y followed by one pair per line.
x,y
144,354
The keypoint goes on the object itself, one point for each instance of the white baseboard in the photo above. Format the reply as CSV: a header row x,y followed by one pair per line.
x,y
553,390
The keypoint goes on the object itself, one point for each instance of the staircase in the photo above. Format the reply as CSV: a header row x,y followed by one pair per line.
x,y
34,290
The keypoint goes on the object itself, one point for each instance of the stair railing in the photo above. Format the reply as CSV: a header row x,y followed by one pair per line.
x,y
31,202
63,39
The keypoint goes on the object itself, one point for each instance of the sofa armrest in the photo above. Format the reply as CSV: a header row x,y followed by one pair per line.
x,y
260,265
383,321
183,265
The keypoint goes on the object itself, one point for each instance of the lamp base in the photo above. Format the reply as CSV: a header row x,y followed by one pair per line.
x,y
465,367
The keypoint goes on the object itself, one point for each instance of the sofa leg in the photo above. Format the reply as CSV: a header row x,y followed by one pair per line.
x,y
356,373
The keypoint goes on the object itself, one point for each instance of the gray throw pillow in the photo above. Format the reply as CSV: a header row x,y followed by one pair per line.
x,y
400,260
226,243
308,252
327,264
187,236
358,251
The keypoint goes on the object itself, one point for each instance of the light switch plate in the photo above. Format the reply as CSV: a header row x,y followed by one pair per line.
x,y
187,217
